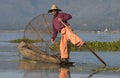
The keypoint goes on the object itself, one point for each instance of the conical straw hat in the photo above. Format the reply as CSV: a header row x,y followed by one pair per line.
x,y
54,7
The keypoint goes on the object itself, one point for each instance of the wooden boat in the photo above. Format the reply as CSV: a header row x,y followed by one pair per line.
x,y
30,51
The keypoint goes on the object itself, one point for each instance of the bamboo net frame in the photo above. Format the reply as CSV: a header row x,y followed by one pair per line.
x,y
40,29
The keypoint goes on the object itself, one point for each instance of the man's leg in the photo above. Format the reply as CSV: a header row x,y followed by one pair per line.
x,y
76,40
64,47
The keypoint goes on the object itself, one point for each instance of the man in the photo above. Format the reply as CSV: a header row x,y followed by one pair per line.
x,y
60,25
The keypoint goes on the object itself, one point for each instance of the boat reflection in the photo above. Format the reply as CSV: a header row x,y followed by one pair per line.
x,y
33,65
47,70
43,70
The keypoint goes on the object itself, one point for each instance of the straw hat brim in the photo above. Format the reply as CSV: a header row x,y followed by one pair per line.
x,y
49,11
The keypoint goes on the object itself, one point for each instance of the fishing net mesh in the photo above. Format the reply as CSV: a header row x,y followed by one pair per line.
x,y
39,30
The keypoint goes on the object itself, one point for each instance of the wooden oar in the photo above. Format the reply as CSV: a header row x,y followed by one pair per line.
x,y
94,53
86,46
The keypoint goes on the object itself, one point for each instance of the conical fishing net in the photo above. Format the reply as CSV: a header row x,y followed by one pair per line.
x,y
38,31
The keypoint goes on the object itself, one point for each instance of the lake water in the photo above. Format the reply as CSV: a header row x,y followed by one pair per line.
x,y
86,64
12,66
5,36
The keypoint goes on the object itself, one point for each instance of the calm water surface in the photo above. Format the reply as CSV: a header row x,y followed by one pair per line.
x,y
86,64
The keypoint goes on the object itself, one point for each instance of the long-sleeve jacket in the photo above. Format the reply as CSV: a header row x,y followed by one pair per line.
x,y
57,26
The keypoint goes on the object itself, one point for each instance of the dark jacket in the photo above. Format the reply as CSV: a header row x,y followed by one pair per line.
x,y
57,26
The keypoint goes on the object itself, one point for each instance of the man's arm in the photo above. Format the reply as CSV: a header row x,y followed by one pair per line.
x,y
65,16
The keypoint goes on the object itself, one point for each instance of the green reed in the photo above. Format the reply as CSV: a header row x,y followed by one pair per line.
x,y
95,45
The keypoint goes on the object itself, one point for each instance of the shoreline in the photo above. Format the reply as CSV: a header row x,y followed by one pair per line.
x,y
76,31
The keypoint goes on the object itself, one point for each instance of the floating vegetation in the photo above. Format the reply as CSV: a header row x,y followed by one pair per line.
x,y
108,69
99,46
95,45
26,40
105,46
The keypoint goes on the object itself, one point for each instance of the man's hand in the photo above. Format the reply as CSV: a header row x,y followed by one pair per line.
x,y
52,41
59,19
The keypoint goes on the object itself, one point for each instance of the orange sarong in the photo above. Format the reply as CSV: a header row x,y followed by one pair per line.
x,y
66,35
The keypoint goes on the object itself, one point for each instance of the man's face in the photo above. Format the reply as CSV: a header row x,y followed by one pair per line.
x,y
54,12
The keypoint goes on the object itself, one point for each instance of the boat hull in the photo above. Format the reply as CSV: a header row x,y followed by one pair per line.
x,y
30,51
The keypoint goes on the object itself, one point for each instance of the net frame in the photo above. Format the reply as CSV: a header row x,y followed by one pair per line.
x,y
39,29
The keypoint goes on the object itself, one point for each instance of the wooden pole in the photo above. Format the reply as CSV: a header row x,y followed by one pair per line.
x,y
94,53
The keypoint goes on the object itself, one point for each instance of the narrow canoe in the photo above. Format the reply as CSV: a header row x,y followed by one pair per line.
x,y
31,51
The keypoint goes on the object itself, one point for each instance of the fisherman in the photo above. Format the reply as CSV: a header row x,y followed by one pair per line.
x,y
59,23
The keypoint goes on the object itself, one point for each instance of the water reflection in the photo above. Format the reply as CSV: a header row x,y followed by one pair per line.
x,y
64,72
93,73
33,65
45,70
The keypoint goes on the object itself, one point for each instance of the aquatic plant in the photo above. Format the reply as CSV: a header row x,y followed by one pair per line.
x,y
108,69
95,45
26,40
105,46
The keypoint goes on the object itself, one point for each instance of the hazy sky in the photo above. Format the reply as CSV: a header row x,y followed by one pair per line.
x,y
20,12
